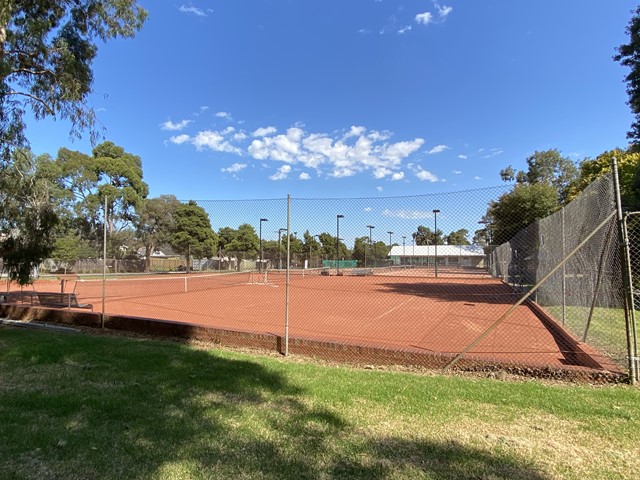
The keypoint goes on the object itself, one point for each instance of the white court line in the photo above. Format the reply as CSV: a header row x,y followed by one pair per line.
x,y
395,308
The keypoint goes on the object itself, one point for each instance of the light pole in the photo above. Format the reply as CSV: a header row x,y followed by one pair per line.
x,y
338,217
261,251
435,238
280,230
403,250
390,260
370,227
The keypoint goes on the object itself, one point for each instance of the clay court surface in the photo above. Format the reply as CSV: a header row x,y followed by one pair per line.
x,y
402,310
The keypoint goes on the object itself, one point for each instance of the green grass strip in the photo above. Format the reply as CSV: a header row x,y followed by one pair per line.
x,y
82,406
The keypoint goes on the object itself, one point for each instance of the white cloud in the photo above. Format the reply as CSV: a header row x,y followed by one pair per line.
x,y
234,168
462,157
381,172
404,30
443,11
264,131
174,127
424,18
304,176
426,175
408,214
225,115
354,132
379,188
214,141
456,172
343,154
477,178
492,152
195,10
180,139
282,173
438,149
239,136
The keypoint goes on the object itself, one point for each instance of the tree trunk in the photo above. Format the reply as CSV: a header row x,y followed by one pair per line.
x,y
148,250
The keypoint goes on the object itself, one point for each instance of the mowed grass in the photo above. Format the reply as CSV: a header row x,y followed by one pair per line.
x,y
99,407
607,331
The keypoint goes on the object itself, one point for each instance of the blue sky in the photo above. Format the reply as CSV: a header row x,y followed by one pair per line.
x,y
360,98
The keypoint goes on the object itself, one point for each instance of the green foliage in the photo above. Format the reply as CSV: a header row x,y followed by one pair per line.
x,y
155,223
520,207
27,216
46,54
628,55
628,172
192,235
459,237
328,249
548,167
109,172
425,236
70,248
120,174
245,242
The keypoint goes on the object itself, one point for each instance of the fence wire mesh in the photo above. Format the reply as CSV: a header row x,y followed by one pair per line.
x,y
632,228
585,297
396,280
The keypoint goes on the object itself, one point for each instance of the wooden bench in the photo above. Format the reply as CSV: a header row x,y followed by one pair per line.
x,y
66,278
60,300
17,297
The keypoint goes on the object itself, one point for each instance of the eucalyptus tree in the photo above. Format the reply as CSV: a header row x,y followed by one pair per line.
x,y
192,234
46,53
155,222
28,217
111,173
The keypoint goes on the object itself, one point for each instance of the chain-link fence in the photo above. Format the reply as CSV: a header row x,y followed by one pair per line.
x,y
572,258
395,280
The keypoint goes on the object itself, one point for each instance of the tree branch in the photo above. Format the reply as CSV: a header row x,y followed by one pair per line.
x,y
34,98
32,72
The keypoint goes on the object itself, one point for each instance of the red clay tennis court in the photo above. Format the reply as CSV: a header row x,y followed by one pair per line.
x,y
406,310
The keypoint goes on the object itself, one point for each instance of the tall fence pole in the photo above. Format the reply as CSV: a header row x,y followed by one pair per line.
x,y
629,314
104,262
564,272
286,308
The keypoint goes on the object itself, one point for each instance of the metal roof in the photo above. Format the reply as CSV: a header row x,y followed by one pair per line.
x,y
443,251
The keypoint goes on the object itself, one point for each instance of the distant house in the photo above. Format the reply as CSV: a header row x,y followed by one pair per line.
x,y
458,256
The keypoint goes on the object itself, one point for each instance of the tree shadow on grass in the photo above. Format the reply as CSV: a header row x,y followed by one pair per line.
x,y
119,408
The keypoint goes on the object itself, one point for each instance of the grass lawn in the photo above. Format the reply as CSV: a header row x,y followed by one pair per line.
x,y
99,407
607,331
